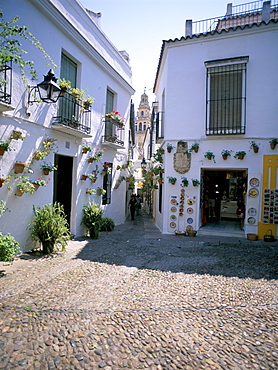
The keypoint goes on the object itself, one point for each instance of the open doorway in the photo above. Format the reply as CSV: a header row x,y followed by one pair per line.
x,y
63,183
223,199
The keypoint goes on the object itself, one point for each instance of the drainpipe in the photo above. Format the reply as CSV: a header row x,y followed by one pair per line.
x,y
188,28
266,11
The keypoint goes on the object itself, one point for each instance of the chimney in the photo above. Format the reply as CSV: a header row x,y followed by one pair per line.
x,y
188,28
266,11
229,9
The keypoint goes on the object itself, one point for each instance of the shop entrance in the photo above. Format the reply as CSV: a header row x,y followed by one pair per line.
x,y
223,199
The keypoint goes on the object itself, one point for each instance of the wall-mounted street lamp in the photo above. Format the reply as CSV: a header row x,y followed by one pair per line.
x,y
48,90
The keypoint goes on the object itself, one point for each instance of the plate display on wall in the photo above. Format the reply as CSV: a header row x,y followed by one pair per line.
x,y
190,210
173,209
189,220
173,217
251,220
173,225
190,202
253,193
254,181
173,201
252,211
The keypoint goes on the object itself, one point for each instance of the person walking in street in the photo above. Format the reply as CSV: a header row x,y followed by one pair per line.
x,y
132,206
138,204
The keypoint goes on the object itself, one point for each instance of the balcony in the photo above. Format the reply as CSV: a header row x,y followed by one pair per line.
x,y
113,134
6,87
73,118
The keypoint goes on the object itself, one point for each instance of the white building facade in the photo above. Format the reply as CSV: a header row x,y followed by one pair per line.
x,y
219,89
72,37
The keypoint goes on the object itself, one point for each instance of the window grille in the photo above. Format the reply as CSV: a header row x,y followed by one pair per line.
x,y
226,99
107,183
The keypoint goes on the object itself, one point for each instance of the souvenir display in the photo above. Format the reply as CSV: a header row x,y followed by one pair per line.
x,y
173,209
173,217
252,211
270,215
173,201
190,202
189,220
254,182
190,210
173,225
253,193
251,220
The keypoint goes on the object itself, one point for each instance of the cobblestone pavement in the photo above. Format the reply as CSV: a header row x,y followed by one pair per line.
x,y
136,299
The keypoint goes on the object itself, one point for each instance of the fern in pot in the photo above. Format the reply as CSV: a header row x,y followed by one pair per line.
x,y
49,226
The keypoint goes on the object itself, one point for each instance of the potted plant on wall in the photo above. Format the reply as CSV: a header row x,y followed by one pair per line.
x,y
254,146
169,147
39,182
48,167
24,186
86,148
17,135
194,147
273,143
19,166
91,219
195,182
100,191
184,181
172,179
226,153
4,146
240,154
209,155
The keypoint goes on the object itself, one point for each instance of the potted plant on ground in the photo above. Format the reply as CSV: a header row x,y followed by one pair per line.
x,y
273,143
48,167
240,154
24,186
4,146
195,182
50,227
172,179
86,148
254,146
226,153
91,219
209,155
184,181
9,247
169,147
39,182
194,147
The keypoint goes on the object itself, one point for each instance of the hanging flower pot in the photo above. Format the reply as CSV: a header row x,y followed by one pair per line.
x,y
19,167
256,149
19,192
36,186
272,145
93,179
84,177
16,135
1,182
45,171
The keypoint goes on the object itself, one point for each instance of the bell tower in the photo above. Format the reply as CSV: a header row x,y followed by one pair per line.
x,y
143,121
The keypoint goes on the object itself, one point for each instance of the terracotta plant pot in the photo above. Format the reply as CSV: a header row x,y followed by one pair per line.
x,y
94,179
2,182
84,150
192,233
2,150
272,145
36,186
241,156
196,149
90,160
224,156
169,150
84,177
256,149
45,172
19,167
19,192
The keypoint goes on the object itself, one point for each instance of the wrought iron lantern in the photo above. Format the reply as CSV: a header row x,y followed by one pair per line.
x,y
143,164
48,90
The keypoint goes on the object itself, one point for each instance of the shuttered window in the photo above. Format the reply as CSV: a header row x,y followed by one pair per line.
x,y
109,108
67,108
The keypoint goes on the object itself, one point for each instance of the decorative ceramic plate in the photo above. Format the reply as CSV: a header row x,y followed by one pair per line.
x,y
181,198
253,193
190,202
182,203
252,211
182,190
173,201
254,182
251,220
173,209
173,217
180,214
190,210
189,220
173,225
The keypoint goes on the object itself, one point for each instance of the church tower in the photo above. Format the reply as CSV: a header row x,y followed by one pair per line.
x,y
143,121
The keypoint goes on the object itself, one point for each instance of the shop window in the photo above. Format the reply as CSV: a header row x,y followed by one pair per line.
x,y
226,96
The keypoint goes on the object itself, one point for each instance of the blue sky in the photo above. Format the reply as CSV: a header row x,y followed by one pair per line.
x,y
140,26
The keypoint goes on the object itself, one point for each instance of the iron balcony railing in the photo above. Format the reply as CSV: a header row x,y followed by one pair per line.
x,y
6,83
72,113
236,15
113,132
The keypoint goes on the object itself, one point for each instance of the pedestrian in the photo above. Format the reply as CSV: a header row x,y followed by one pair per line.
x,y
132,206
138,204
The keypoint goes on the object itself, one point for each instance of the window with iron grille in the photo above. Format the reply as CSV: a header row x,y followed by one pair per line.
x,y
109,107
107,183
226,96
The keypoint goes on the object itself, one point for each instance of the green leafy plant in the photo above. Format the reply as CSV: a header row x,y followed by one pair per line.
x,y
253,144
25,185
77,93
195,182
172,180
158,155
100,191
48,166
17,135
88,102
273,141
11,34
91,219
49,226
240,154
86,148
9,247
226,152
4,144
97,155
3,208
209,155
107,224
90,191
184,181
64,84
40,182
194,147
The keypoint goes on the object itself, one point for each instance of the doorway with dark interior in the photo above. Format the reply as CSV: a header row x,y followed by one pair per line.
x,y
223,194
63,183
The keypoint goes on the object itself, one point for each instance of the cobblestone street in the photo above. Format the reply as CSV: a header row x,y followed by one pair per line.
x,y
137,299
